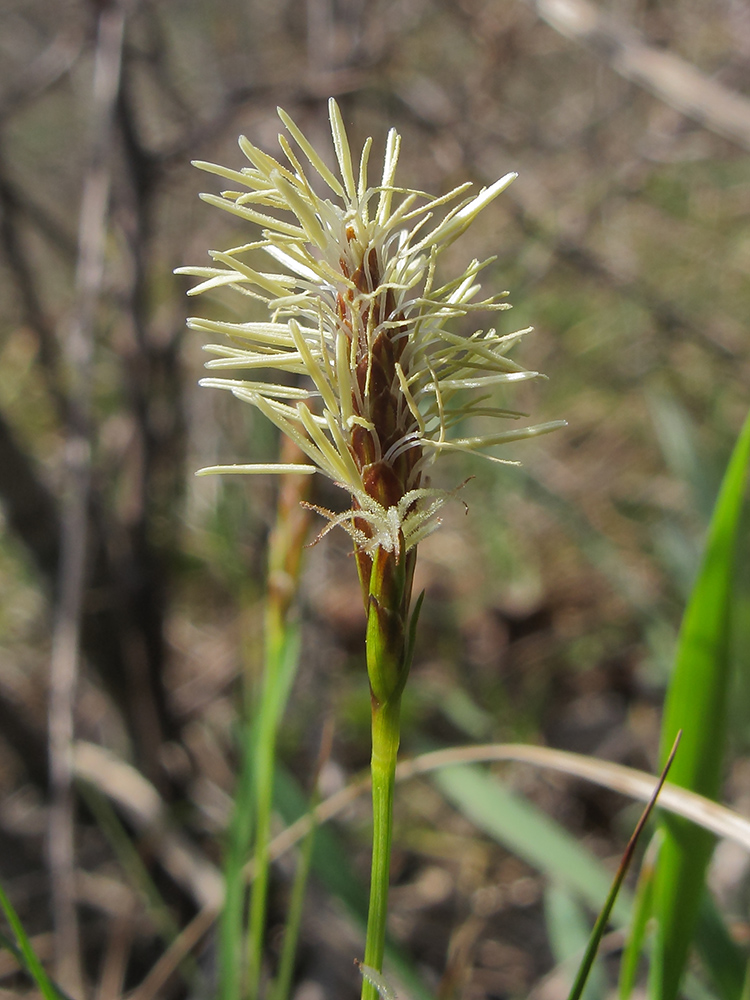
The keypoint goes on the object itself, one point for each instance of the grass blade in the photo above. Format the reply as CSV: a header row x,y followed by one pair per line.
x,y
643,905
603,918
569,930
697,704
282,987
251,816
231,920
282,659
30,961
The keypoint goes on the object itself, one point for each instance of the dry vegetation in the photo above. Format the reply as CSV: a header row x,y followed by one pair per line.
x,y
551,608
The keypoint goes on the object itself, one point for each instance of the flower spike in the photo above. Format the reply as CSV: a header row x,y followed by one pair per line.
x,y
355,309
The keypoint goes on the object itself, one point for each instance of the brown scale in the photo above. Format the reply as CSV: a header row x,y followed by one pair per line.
x,y
383,403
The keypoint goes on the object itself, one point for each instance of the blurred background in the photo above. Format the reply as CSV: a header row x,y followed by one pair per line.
x,y
552,605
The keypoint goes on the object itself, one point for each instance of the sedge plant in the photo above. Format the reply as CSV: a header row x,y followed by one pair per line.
x,y
365,370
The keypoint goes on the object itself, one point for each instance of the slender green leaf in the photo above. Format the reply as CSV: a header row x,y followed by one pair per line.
x,y
30,960
569,929
697,704
259,740
603,919
282,659
642,909
282,987
231,920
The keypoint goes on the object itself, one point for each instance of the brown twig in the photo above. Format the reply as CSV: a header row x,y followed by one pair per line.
x,y
115,961
169,961
67,626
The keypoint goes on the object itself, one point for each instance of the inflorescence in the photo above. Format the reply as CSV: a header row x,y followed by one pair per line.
x,y
354,305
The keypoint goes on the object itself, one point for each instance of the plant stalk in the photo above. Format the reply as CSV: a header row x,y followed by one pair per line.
x,y
280,663
385,742
265,753
388,599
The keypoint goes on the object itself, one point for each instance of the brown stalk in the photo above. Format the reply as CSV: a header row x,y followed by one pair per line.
x,y
66,638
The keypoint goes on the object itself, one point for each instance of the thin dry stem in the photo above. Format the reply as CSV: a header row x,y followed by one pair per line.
x,y
66,635
64,662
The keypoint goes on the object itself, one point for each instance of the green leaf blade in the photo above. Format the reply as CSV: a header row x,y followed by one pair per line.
x,y
697,703
33,966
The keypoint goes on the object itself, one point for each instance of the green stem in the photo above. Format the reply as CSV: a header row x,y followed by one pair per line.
x,y
231,922
282,988
385,741
281,657
264,764
280,665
